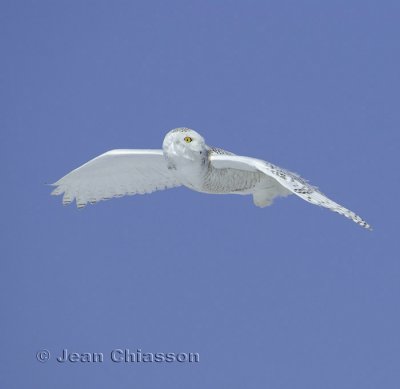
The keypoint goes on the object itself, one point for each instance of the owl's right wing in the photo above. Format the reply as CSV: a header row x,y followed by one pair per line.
x,y
116,173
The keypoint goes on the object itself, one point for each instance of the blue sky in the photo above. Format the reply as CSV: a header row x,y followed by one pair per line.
x,y
291,296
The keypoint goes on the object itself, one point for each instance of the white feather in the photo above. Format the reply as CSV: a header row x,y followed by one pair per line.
x,y
286,179
116,173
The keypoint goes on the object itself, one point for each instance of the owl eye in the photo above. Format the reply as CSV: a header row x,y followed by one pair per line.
x,y
187,139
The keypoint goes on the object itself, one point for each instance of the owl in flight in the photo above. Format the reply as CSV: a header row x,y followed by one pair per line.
x,y
186,160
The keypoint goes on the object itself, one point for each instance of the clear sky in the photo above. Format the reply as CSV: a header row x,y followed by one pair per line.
x,y
290,296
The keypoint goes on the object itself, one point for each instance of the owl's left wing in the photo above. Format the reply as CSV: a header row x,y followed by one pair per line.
x,y
287,179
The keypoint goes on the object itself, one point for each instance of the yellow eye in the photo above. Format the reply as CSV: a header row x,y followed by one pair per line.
x,y
187,139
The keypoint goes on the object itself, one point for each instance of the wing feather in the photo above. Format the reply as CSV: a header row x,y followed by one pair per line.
x,y
288,180
116,173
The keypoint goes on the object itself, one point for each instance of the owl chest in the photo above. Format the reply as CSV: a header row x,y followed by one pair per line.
x,y
189,173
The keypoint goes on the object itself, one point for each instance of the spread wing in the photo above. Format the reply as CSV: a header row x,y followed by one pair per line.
x,y
116,173
288,180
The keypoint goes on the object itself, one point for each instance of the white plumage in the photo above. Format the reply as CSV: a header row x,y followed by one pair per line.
x,y
186,160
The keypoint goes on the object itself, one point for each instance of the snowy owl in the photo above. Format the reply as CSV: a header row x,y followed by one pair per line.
x,y
186,160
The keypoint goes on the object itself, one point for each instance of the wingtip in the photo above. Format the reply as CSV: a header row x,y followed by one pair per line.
x,y
364,224
57,191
